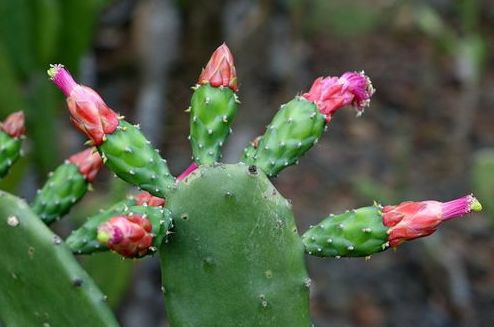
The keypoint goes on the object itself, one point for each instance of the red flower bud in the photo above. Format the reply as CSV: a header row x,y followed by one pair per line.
x,y
220,70
89,163
88,111
332,93
410,220
145,198
14,124
130,236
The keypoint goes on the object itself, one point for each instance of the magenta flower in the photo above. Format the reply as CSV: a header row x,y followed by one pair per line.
x,y
410,220
88,111
332,93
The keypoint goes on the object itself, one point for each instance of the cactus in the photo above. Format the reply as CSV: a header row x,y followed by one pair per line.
x,y
118,141
66,185
89,238
11,134
236,242
298,124
365,231
234,256
213,107
229,248
41,283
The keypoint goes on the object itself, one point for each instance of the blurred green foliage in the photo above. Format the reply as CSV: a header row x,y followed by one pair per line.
x,y
34,34
483,179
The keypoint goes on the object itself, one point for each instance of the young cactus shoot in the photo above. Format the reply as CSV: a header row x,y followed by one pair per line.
x,y
365,231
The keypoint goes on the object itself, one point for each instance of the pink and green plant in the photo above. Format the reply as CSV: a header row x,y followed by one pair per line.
x,y
230,252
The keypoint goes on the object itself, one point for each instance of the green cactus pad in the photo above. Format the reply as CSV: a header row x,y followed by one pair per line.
x,y
211,115
248,156
295,128
355,233
83,240
235,258
40,281
132,158
10,151
64,188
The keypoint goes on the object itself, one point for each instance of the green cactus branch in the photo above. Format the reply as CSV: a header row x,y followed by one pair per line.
x,y
84,240
64,188
295,128
132,158
41,282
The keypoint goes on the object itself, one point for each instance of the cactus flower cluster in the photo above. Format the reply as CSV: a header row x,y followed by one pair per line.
x,y
230,251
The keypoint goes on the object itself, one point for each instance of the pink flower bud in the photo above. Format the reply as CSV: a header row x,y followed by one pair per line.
x,y
410,220
130,236
14,124
332,93
88,111
220,70
89,163
193,166
145,198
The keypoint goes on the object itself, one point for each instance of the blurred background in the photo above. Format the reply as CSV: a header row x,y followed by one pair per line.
x,y
428,133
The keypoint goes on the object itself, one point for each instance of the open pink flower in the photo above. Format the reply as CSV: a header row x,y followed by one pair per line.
x,y
14,125
89,163
129,236
88,111
410,220
220,70
333,93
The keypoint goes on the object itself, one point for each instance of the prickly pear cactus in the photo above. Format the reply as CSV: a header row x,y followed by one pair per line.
x,y
235,257
230,251
40,281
